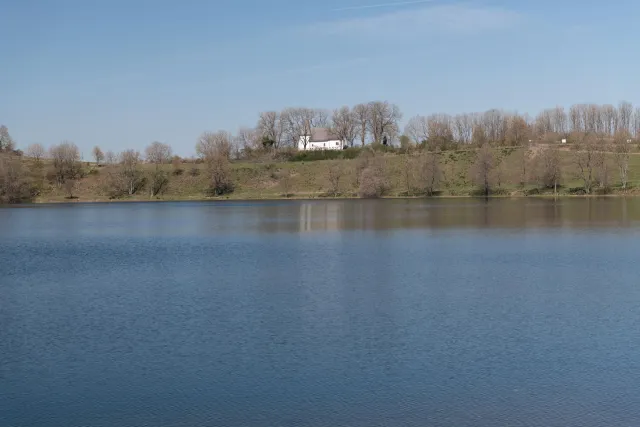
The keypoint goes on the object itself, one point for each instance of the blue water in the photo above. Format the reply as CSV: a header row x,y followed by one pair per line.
x,y
355,313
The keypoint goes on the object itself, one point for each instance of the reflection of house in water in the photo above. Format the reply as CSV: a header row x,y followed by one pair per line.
x,y
320,216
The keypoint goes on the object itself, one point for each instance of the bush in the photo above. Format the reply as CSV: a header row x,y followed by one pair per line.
x,y
15,186
158,182
177,166
221,182
123,181
362,161
373,182
194,172
284,177
334,176
66,162
316,155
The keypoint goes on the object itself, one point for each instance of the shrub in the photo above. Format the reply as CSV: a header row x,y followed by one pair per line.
x,y
334,176
158,182
316,155
284,176
364,158
66,161
70,186
15,186
220,172
373,182
177,166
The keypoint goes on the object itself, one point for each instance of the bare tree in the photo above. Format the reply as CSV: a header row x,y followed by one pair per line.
x,y
430,172
543,124
36,152
603,171
66,161
334,177
6,142
214,149
248,139
158,181
586,159
284,177
558,121
15,186
483,168
518,132
344,125
70,187
625,114
214,144
495,125
297,124
463,125
439,131
524,160
373,180
98,155
383,120
577,118
622,151
608,120
110,158
479,136
407,166
499,172
321,118
635,127
551,171
362,162
158,153
361,112
130,171
270,129
417,129
220,172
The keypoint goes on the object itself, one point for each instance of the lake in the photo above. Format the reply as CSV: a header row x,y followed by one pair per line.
x,y
456,312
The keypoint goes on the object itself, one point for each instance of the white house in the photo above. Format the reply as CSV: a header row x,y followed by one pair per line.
x,y
320,139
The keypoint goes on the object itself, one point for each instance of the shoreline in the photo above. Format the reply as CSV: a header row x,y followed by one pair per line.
x,y
318,198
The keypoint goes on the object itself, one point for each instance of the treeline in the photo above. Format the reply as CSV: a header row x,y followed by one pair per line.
x,y
591,129
371,122
22,177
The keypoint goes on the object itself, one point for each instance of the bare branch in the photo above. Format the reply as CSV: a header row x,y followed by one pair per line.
x,y
344,125
158,153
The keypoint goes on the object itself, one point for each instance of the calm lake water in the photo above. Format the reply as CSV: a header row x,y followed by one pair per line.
x,y
323,313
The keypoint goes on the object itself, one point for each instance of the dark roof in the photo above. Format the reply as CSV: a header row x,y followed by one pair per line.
x,y
322,134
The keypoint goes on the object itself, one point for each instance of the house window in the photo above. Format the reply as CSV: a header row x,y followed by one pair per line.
x,y
337,143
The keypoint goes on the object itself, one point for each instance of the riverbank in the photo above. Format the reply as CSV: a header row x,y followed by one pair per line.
x,y
235,198
403,176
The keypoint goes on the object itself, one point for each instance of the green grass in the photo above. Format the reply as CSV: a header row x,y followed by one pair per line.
x,y
310,179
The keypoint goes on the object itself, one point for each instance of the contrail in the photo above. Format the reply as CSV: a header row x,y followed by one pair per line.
x,y
372,6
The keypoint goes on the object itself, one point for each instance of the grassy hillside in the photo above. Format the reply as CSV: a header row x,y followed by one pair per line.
x,y
310,179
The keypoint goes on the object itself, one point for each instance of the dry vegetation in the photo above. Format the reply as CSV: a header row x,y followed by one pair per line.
x,y
590,149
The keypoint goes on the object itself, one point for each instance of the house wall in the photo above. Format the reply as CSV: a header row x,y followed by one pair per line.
x,y
324,145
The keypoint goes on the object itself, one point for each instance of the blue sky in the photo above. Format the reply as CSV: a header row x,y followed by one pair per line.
x,y
123,73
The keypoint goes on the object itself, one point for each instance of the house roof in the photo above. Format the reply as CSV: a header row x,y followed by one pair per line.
x,y
322,135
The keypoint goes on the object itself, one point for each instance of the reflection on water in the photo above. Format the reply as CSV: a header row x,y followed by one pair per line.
x,y
433,313
465,213
310,216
